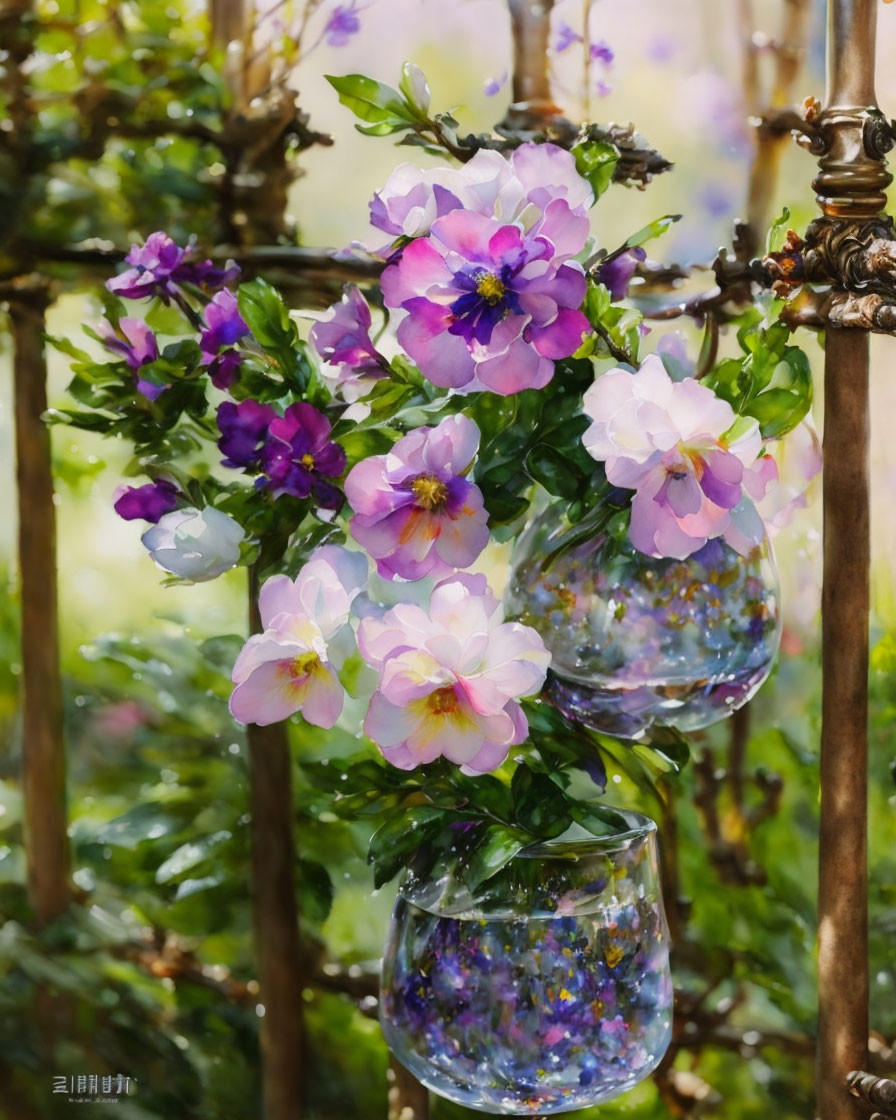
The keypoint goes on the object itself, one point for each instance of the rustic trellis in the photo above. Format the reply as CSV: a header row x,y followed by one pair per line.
x,y
851,249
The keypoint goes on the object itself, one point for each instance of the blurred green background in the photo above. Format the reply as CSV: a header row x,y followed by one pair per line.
x,y
158,797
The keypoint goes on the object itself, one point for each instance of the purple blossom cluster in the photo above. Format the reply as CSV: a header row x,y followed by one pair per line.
x,y
488,284
161,268
291,454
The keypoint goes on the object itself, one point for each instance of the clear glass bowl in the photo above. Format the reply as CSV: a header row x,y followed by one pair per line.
x,y
549,991
637,641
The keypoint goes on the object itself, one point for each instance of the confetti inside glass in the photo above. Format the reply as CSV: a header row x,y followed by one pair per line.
x,y
637,642
549,991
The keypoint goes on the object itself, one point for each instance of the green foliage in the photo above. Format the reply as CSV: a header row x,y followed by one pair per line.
x,y
772,382
596,161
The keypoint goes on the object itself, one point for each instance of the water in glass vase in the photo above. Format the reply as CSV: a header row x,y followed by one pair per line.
x,y
532,1015
637,642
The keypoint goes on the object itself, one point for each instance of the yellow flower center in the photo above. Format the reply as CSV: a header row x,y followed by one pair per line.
x,y
307,461
429,491
304,664
490,288
443,701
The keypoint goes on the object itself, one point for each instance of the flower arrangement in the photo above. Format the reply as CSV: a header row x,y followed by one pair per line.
x,y
371,489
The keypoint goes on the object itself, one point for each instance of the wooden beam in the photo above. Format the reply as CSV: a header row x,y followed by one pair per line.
x,y
274,909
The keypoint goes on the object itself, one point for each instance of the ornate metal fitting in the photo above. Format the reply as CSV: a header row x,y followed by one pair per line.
x,y
851,249
853,178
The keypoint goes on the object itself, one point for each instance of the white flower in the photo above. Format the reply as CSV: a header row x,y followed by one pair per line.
x,y
195,544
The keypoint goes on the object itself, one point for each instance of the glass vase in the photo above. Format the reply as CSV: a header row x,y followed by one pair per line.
x,y
547,991
637,641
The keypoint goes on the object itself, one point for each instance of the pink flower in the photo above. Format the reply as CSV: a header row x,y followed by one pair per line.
x,y
343,341
291,666
415,513
488,305
450,678
517,189
685,453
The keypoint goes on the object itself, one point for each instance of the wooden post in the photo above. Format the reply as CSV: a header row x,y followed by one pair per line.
x,y
530,22
850,187
275,913
772,142
408,1099
843,888
43,752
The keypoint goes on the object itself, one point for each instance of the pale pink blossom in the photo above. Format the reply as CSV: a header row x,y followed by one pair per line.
x,y
512,189
693,463
293,664
450,678
415,512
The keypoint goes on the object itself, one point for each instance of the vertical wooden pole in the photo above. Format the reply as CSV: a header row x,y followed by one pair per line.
x,y
530,22
274,853
843,887
771,144
408,1099
43,753
275,913
850,188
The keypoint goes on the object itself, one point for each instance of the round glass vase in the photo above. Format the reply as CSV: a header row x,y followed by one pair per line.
x,y
547,991
637,642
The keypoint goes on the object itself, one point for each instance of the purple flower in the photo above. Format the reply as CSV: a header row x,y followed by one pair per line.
x,y
244,428
494,85
412,199
602,89
490,305
342,25
565,38
415,513
149,502
153,266
686,455
137,344
298,456
514,189
601,52
160,266
224,327
616,274
224,368
343,340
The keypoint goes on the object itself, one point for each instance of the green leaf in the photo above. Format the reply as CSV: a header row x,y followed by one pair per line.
x,y
596,161
67,347
315,889
653,229
600,820
361,443
395,841
556,473
267,317
371,101
539,805
89,421
189,855
495,850
774,239
597,302
415,88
